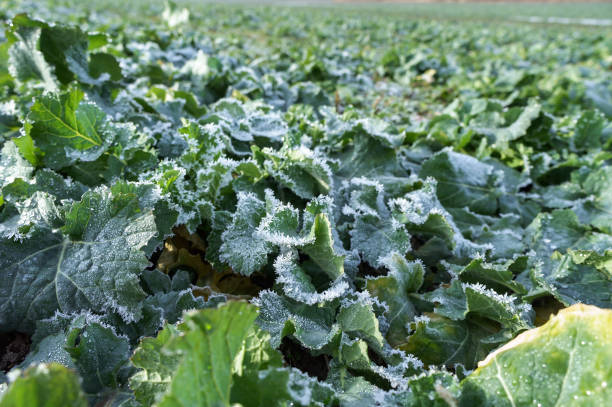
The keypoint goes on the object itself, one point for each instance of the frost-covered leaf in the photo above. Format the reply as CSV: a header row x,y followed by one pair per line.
x,y
460,299
425,217
241,248
440,341
496,276
22,218
94,267
13,165
26,59
402,279
164,303
358,320
83,343
375,233
299,284
561,230
279,386
303,171
589,130
54,54
98,354
596,208
312,325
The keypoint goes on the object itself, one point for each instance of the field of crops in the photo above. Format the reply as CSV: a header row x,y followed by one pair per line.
x,y
208,205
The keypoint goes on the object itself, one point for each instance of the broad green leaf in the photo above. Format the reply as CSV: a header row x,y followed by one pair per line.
x,y
589,130
12,164
26,61
561,230
43,385
299,282
495,276
581,276
426,218
596,209
54,54
501,137
440,341
83,343
433,388
281,386
157,366
303,171
463,181
68,129
193,363
563,362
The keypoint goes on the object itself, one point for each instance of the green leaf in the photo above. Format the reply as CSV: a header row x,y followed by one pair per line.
x,y
563,362
321,249
303,171
281,386
561,230
589,130
596,209
501,137
426,218
358,320
68,129
50,385
193,363
299,282
433,388
440,341
463,181
157,366
495,276
581,276
54,54
102,63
